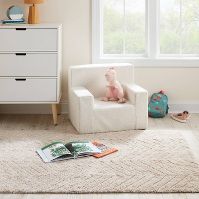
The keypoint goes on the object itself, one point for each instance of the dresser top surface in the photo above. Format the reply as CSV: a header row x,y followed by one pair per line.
x,y
31,26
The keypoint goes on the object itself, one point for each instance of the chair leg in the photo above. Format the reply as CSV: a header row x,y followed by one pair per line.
x,y
54,111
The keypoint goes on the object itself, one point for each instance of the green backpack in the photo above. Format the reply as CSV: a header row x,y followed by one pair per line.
x,y
158,105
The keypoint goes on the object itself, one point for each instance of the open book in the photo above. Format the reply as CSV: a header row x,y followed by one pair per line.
x,y
58,151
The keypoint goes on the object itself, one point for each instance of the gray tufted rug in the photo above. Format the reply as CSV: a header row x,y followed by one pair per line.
x,y
147,161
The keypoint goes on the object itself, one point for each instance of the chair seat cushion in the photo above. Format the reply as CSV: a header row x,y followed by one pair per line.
x,y
98,104
111,116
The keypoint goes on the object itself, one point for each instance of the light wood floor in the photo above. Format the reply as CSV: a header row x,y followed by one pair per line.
x,y
44,122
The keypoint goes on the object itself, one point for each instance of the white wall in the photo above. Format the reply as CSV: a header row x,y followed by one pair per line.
x,y
181,84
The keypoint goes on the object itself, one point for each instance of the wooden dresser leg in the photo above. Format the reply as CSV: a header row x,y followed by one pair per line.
x,y
54,111
58,109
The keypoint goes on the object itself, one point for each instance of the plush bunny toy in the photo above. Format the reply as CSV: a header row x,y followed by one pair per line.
x,y
114,91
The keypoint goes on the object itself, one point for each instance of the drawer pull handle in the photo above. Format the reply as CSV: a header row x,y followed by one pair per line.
x,y
20,80
20,28
20,54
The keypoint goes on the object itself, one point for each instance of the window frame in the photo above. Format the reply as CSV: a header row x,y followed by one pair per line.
x,y
153,57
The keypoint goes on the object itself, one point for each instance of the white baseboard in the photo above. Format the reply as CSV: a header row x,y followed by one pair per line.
x,y
46,109
191,107
30,109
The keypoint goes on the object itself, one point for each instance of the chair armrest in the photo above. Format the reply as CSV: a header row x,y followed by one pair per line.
x,y
81,109
82,92
134,91
139,97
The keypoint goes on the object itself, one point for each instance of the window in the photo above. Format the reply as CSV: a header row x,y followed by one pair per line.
x,y
123,27
179,27
146,32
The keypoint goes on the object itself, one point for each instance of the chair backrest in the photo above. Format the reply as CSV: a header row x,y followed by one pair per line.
x,y
92,76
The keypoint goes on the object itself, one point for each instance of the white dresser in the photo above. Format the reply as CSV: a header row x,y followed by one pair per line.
x,y
30,64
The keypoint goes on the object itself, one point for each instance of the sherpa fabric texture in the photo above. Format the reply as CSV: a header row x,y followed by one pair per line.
x,y
147,161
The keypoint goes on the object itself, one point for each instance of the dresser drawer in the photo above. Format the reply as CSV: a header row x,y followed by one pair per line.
x,y
25,64
28,40
28,90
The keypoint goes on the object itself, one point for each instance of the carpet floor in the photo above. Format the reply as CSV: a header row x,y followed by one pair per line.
x,y
147,162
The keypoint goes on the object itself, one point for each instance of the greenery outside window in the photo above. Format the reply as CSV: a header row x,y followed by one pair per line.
x,y
146,32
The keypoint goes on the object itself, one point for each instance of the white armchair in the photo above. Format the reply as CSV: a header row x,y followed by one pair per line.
x,y
88,114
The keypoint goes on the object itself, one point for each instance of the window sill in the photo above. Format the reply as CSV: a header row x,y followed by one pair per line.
x,y
186,62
